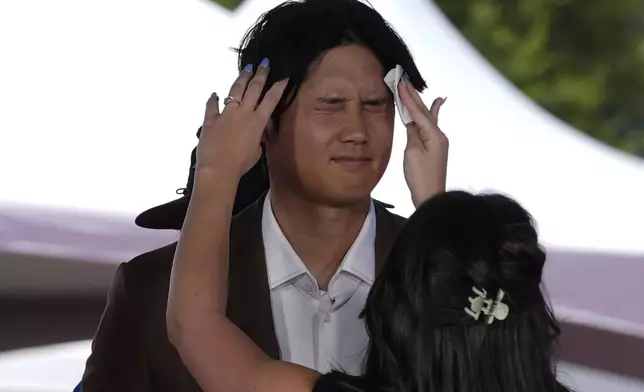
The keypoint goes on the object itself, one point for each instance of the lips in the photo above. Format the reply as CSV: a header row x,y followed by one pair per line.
x,y
351,160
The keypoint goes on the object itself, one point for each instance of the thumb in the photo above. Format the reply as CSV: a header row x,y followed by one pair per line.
x,y
212,109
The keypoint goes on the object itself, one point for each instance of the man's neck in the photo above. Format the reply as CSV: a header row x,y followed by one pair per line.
x,y
320,235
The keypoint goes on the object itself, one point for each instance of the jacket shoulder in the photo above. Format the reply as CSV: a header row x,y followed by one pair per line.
x,y
383,213
155,266
145,279
150,264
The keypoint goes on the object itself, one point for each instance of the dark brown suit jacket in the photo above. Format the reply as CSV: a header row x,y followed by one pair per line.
x,y
131,351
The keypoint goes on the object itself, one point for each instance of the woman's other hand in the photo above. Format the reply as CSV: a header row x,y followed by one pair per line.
x,y
425,159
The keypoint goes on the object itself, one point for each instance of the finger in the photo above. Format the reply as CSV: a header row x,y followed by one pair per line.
x,y
212,110
272,98
239,86
435,108
415,95
419,113
256,85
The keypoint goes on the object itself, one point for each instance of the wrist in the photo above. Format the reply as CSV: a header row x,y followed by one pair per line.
x,y
217,179
419,196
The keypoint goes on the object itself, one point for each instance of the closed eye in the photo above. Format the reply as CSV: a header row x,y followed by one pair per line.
x,y
377,104
331,100
330,103
334,103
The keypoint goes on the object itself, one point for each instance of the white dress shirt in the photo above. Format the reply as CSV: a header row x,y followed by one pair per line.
x,y
317,329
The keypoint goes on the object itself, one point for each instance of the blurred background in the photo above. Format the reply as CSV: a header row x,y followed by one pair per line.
x,y
100,102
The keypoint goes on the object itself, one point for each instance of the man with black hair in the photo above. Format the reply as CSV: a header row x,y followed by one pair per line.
x,y
304,255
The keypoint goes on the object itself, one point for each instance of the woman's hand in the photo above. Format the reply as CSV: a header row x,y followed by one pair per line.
x,y
425,160
230,140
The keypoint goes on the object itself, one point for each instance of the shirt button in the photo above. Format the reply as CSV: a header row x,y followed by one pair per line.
x,y
327,319
308,287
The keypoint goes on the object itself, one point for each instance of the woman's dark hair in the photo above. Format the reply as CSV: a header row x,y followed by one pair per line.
x,y
296,34
422,340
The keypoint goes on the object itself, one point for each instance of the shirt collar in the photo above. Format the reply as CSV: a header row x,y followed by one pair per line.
x,y
283,264
360,259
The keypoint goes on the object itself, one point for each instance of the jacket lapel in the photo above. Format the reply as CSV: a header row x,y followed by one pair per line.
x,y
249,296
387,227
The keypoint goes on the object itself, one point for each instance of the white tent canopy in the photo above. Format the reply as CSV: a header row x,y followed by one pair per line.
x,y
101,100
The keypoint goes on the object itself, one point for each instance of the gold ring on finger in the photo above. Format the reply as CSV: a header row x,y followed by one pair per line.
x,y
230,99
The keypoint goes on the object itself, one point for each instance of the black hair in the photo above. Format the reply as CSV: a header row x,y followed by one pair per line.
x,y
422,340
295,34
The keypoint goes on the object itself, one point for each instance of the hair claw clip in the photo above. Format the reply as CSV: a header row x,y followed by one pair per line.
x,y
492,308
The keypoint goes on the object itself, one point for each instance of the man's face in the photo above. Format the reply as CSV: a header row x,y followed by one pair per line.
x,y
334,141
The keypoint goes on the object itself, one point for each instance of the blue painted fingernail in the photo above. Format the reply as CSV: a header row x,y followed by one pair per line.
x,y
249,68
265,63
404,79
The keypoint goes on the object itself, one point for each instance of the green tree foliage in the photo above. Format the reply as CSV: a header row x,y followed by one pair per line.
x,y
230,4
583,60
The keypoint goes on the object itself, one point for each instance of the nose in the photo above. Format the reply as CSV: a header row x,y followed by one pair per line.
x,y
354,129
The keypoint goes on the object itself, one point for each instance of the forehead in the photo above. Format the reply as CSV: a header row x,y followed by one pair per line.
x,y
347,69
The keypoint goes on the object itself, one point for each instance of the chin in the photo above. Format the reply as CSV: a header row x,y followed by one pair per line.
x,y
337,196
